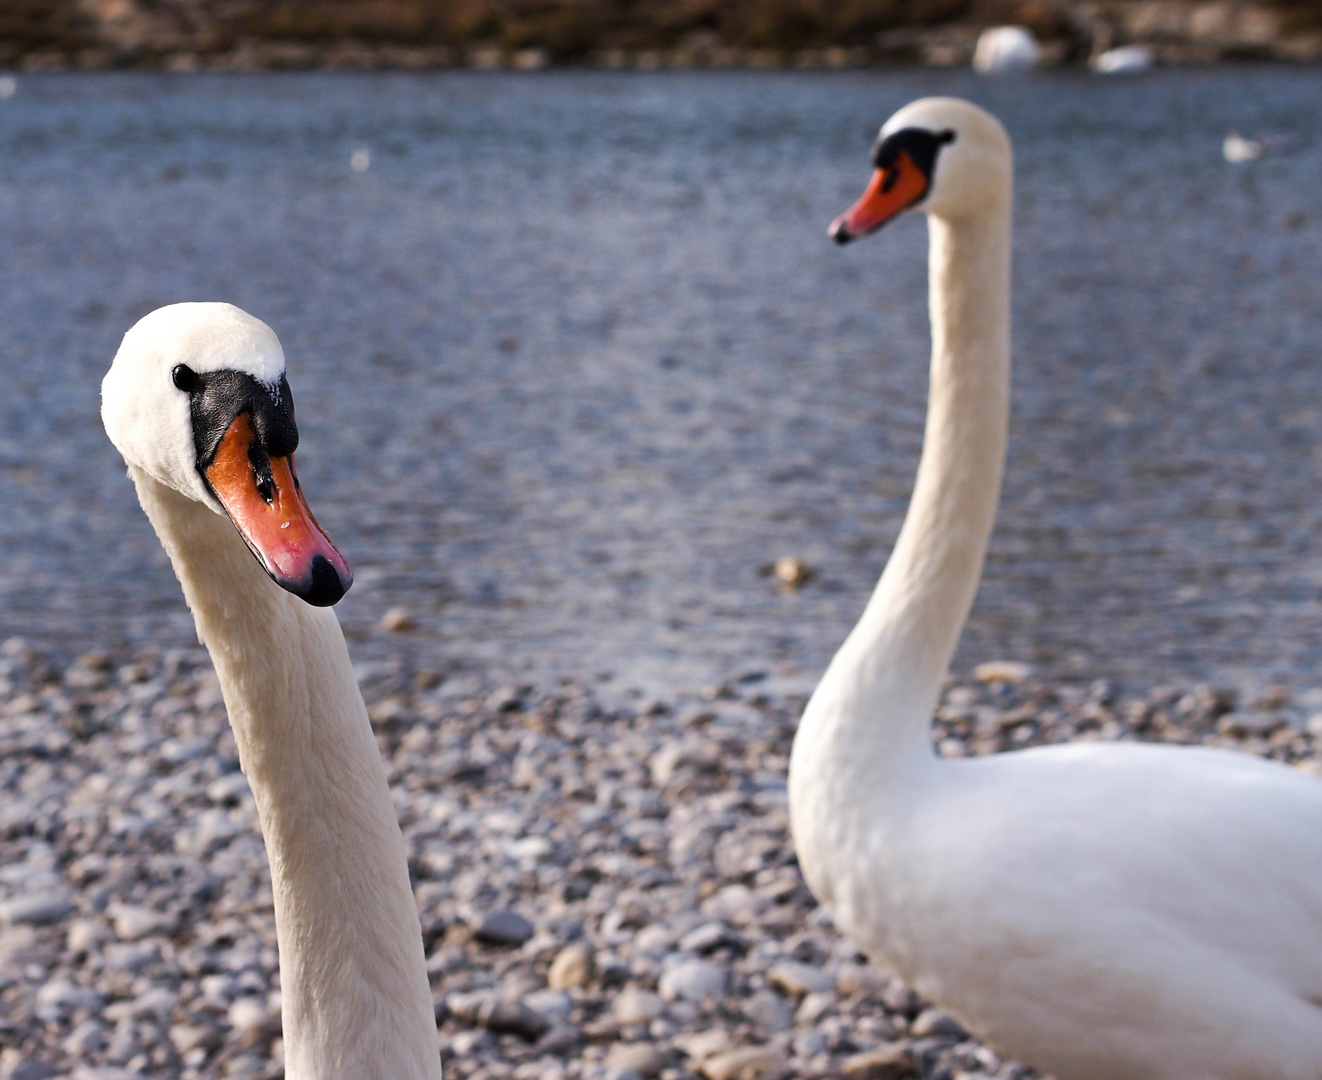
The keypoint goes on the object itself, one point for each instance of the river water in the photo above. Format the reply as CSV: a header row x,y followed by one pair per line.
x,y
574,360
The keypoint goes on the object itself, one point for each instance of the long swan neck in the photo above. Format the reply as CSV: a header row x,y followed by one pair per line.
x,y
930,581
897,656
354,991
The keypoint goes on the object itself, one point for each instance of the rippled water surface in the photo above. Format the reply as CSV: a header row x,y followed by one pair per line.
x,y
574,360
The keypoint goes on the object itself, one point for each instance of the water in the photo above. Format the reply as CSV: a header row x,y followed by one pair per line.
x,y
574,360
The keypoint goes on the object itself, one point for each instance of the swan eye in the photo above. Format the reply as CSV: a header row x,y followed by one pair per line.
x,y
185,378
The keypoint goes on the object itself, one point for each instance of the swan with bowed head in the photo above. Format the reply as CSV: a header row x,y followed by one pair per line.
x,y
1101,911
198,405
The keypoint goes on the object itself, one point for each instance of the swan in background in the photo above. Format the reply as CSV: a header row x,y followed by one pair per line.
x,y
1236,149
197,403
1002,50
1100,911
1122,60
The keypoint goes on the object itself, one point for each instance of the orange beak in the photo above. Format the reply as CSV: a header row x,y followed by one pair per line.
x,y
263,499
891,190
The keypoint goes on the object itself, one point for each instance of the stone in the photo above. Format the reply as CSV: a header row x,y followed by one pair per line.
x,y
504,928
188,1037
560,1039
890,1062
84,935
692,980
861,979
934,1022
552,1004
230,790
60,997
398,620
1005,671
644,1059
487,1009
85,1039
249,1014
703,1044
654,939
635,1006
132,923
769,1011
705,938
38,909
791,572
797,979
810,1043
746,1063
1243,724
572,967
33,1070
813,1007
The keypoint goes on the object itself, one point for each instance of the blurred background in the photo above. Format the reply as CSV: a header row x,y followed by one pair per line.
x,y
618,442
576,364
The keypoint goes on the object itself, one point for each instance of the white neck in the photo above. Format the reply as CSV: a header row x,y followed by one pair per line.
x,y
354,991
871,715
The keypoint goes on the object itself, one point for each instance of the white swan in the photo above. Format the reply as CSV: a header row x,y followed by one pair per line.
x,y
197,403
1122,60
1103,912
1004,50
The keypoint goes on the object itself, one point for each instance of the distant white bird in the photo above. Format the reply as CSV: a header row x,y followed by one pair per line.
x,y
1237,149
1101,911
1005,49
1123,60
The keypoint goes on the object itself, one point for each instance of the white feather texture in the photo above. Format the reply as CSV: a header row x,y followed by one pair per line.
x,y
1101,911
355,998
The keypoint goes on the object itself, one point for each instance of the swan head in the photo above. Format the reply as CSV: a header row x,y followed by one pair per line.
x,y
197,399
940,155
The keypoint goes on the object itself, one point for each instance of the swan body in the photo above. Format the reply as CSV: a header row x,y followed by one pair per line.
x,y
1100,911
1002,50
197,404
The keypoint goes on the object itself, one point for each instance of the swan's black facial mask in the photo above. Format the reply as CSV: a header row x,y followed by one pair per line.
x,y
217,397
905,161
245,436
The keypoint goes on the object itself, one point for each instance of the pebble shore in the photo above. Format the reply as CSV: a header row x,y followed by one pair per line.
x,y
606,893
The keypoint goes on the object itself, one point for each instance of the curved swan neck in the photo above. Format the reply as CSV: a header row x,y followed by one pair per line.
x,y
354,990
896,657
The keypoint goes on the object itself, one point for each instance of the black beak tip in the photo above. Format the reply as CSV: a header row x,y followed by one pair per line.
x,y
325,587
839,232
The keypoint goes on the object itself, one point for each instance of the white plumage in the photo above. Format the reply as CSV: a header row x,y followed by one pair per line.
x,y
1004,49
1101,911
1122,60
355,1000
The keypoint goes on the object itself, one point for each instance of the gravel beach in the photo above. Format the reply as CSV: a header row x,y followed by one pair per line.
x,y
606,892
